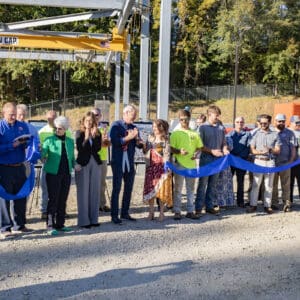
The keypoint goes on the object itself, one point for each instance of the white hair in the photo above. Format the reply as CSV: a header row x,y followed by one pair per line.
x,y
22,107
129,108
96,109
61,121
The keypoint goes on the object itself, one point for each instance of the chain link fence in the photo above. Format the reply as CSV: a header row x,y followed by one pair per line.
x,y
69,103
184,94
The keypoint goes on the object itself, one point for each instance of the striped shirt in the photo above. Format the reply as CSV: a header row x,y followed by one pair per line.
x,y
265,139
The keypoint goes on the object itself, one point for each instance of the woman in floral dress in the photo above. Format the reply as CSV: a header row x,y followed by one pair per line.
x,y
158,182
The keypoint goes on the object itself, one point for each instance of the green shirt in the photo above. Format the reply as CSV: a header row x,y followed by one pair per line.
x,y
52,149
190,141
103,153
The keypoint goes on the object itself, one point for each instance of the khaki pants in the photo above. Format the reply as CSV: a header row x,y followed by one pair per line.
x,y
285,177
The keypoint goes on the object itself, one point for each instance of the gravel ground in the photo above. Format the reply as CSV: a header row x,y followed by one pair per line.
x,y
232,256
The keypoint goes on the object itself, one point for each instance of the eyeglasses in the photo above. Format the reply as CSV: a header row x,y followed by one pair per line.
x,y
184,119
264,123
59,128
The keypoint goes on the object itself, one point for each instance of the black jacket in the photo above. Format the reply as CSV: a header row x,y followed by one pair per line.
x,y
85,149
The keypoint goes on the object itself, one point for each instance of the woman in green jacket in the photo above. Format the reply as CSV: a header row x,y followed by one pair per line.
x,y
58,152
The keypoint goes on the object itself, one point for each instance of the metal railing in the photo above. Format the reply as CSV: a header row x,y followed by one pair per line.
x,y
205,93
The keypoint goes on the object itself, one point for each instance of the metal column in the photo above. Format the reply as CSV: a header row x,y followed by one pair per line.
x,y
164,60
117,86
144,63
126,78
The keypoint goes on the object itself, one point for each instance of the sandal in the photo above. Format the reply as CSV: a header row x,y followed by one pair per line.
x,y
161,217
151,216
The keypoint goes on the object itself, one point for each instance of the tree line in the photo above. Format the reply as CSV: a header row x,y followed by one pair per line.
x,y
210,38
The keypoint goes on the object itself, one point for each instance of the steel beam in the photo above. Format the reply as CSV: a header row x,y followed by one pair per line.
x,y
88,4
60,19
52,56
126,76
117,86
164,60
10,40
123,18
144,63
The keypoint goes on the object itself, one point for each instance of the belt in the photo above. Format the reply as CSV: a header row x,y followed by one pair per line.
x,y
264,158
12,165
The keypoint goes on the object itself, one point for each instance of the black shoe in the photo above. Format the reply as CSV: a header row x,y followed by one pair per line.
x,y
86,226
44,216
268,210
67,216
192,216
104,209
214,211
177,216
128,217
95,225
274,207
116,220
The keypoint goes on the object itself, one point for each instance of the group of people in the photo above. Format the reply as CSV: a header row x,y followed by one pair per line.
x,y
186,148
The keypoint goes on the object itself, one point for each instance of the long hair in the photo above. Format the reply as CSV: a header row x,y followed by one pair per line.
x,y
163,127
94,122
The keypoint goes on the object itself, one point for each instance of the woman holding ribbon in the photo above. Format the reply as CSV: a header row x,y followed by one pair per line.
x,y
158,183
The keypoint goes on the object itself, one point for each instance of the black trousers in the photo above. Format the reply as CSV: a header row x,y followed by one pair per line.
x,y
58,190
295,174
12,179
240,176
128,178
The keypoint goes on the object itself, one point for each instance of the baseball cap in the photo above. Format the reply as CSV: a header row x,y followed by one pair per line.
x,y
295,119
280,117
187,108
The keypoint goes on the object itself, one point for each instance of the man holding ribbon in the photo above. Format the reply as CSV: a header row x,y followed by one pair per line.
x,y
14,136
124,137
265,145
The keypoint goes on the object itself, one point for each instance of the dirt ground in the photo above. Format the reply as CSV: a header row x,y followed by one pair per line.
x,y
231,256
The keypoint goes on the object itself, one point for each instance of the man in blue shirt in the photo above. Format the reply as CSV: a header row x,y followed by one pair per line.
x,y
241,148
124,137
12,157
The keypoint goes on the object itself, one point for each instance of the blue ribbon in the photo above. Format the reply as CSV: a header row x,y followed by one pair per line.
x,y
32,155
223,163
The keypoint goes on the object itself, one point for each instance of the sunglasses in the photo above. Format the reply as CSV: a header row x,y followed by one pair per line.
x,y
184,119
281,121
239,122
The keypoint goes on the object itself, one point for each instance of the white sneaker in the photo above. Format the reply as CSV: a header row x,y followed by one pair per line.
x,y
6,235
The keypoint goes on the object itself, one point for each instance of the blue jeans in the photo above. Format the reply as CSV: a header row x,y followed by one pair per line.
x,y
206,191
206,185
178,185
